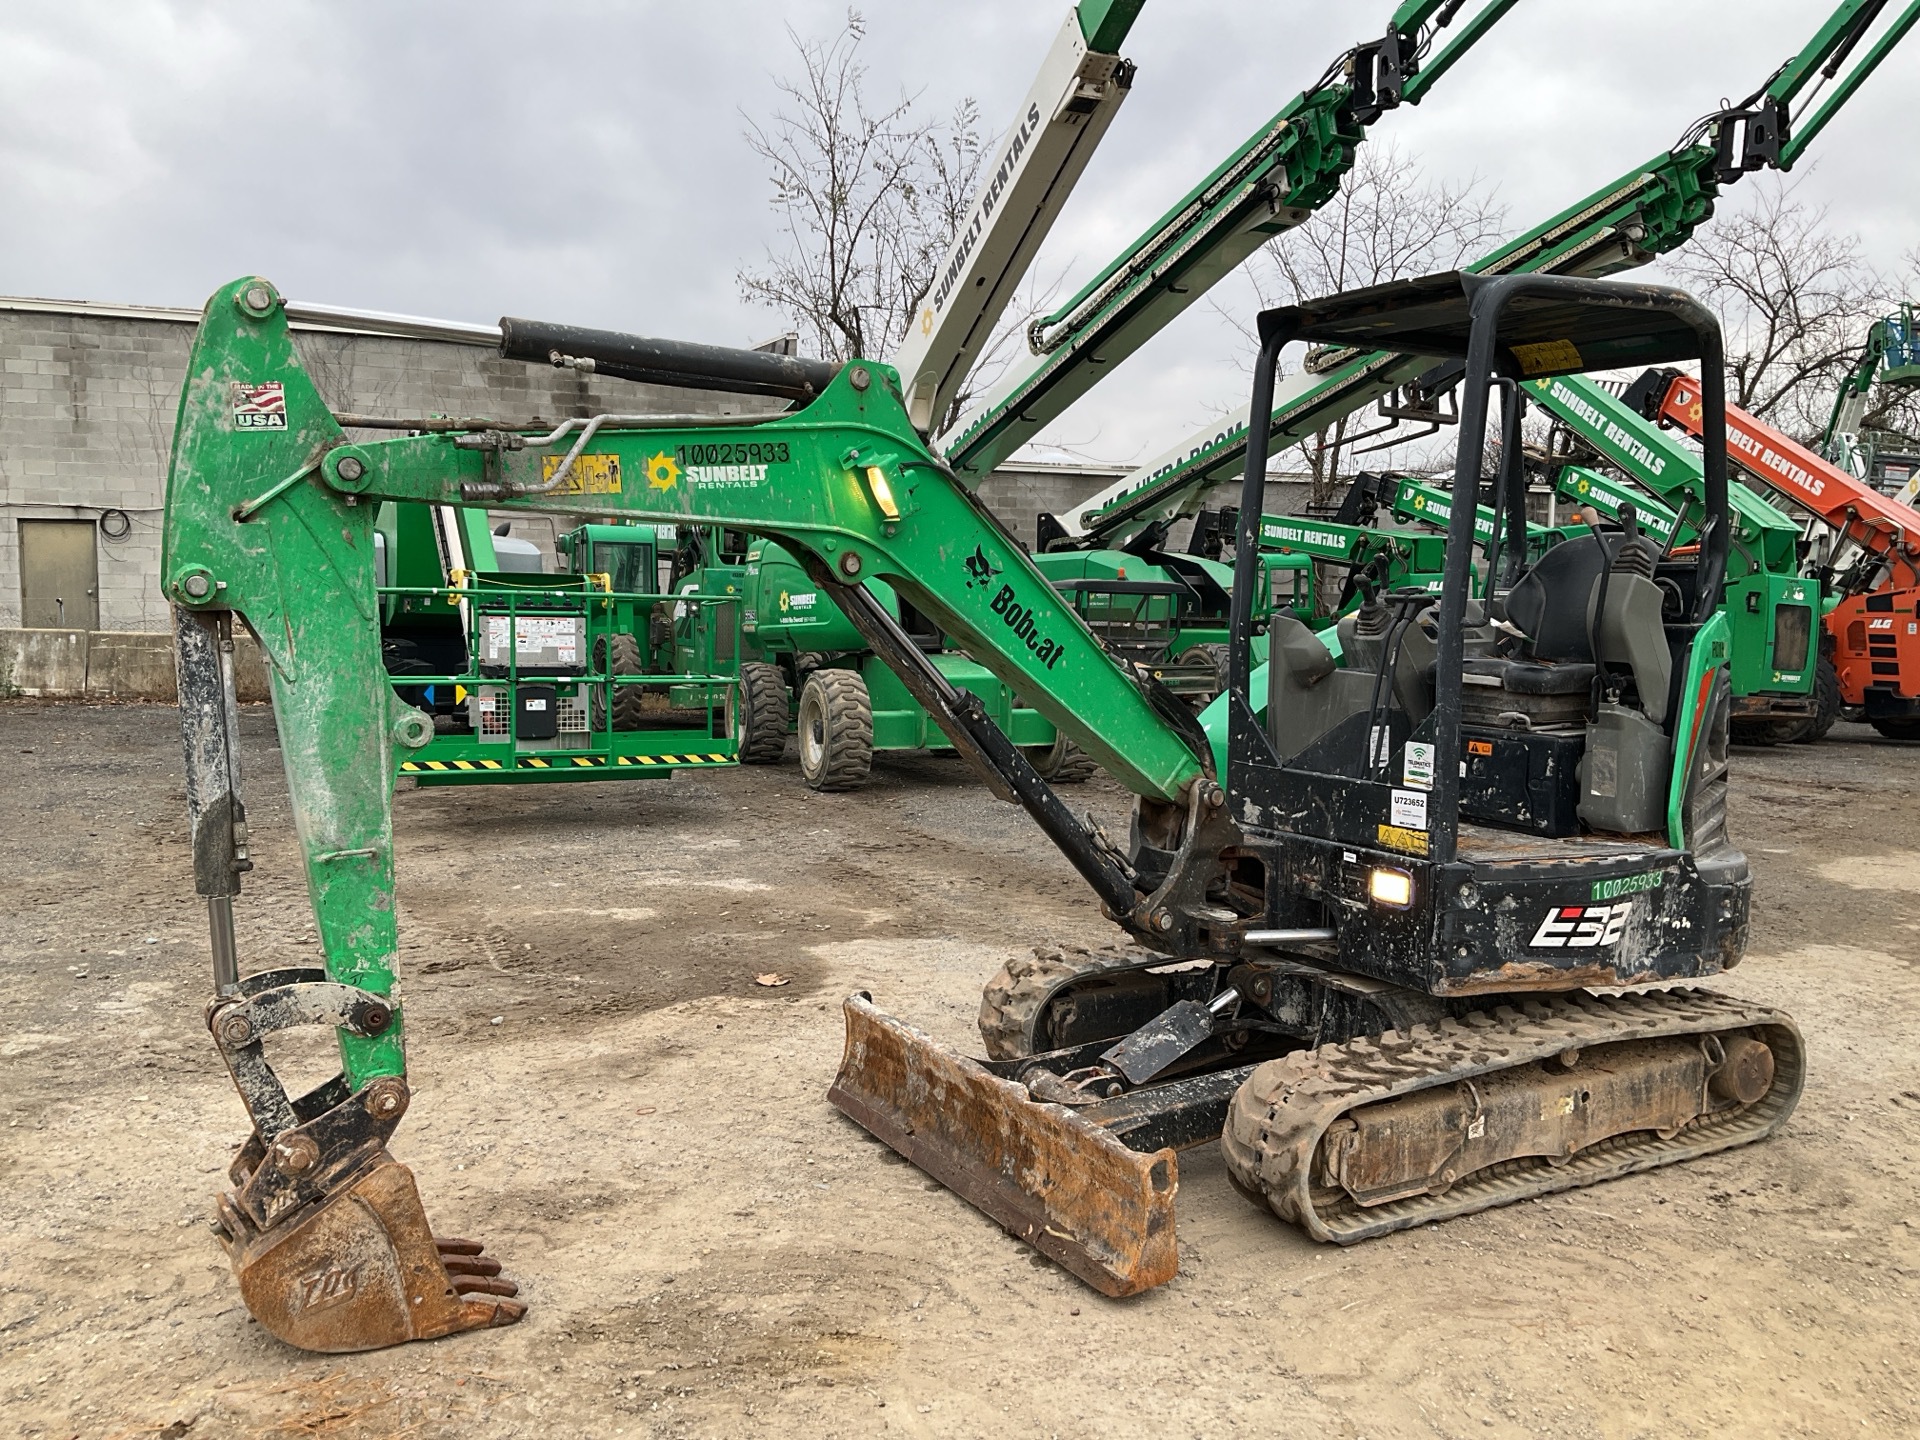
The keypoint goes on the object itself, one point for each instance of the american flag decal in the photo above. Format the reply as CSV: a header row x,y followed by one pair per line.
x,y
259,407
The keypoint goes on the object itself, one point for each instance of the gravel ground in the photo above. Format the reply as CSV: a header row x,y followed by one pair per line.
x,y
640,1132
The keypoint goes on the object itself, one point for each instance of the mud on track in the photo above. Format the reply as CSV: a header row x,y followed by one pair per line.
x,y
709,1249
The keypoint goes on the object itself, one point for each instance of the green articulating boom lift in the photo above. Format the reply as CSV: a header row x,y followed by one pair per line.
x,y
1367,942
1784,685
1420,502
1648,212
1167,611
1890,357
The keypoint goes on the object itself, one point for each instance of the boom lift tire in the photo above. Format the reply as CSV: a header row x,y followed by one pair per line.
x,y
836,731
1901,729
760,714
1222,658
618,655
1770,732
1827,702
1063,762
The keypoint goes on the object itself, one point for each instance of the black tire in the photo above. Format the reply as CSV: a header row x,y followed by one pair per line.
x,y
1222,658
759,714
1826,699
1902,729
1768,732
1063,762
836,731
617,655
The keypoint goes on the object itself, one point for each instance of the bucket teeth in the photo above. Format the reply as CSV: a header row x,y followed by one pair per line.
x,y
360,1269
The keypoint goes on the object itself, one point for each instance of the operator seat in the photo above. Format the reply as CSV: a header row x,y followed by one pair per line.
x,y
1554,605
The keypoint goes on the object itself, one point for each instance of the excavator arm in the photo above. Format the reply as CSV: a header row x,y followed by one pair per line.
x,y
270,517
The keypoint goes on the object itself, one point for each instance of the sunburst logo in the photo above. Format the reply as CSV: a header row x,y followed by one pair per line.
x,y
926,322
662,471
1694,412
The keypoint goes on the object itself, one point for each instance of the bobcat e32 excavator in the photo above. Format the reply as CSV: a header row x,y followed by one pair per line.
x,y
1369,934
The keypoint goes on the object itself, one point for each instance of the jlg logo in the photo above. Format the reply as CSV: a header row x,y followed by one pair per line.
x,y
1581,927
1880,624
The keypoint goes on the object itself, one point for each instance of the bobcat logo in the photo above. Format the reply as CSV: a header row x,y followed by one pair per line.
x,y
980,570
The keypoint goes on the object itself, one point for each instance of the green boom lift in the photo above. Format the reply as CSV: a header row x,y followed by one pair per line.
x,y
1648,212
534,677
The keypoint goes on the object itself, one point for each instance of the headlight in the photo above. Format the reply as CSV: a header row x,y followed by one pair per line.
x,y
1389,887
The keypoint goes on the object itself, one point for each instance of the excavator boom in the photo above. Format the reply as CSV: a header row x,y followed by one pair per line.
x,y
270,517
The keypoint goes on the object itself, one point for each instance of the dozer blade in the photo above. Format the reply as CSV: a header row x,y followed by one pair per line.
x,y
1055,1180
359,1269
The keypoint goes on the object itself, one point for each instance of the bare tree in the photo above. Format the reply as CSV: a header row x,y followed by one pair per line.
x,y
1389,221
868,197
1795,299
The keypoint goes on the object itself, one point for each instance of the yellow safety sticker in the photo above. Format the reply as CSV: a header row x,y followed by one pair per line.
x,y
590,475
1547,357
1396,837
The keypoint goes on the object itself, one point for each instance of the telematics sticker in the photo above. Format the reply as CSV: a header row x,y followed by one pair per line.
x,y
259,407
1418,767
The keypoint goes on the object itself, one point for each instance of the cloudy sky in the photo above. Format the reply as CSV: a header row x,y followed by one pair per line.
x,y
583,162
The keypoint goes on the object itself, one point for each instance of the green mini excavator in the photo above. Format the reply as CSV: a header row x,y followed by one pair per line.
x,y
1367,944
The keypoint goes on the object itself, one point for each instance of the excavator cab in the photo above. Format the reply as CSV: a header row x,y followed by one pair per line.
x,y
1370,950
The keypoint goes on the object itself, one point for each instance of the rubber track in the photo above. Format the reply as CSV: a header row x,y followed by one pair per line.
x,y
1012,1001
1277,1119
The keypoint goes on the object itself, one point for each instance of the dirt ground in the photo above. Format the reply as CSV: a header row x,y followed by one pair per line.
x,y
641,1133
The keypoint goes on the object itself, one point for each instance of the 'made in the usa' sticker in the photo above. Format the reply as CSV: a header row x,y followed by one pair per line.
x,y
259,407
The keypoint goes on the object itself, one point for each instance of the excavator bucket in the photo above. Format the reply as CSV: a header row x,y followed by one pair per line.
x,y
1053,1178
359,1269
